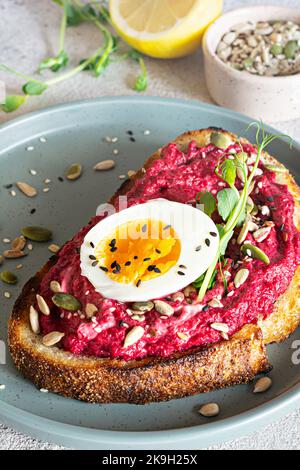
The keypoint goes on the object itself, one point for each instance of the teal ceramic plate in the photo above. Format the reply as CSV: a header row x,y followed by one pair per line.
x,y
74,133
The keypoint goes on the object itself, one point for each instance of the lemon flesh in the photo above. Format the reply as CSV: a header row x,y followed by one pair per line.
x,y
164,29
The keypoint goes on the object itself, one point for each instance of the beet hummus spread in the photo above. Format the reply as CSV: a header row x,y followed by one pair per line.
x,y
180,177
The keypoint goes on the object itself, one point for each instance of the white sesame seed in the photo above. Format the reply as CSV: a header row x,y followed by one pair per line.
x,y
122,177
114,140
47,181
6,240
43,140
33,172
30,148
46,190
13,193
230,294
44,390
108,139
19,266
7,295
147,132
116,152
30,247
260,185
62,315
2,387
87,292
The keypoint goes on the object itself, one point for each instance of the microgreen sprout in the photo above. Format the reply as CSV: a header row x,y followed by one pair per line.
x,y
232,203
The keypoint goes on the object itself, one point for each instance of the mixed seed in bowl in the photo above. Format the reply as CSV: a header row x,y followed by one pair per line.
x,y
262,48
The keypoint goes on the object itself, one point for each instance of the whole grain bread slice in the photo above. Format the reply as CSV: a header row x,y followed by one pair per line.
x,y
151,379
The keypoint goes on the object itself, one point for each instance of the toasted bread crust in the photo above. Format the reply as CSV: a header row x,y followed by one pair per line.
x,y
152,379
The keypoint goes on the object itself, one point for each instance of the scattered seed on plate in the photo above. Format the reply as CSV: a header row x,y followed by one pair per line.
x,y
8,278
33,172
26,189
131,173
30,247
53,248
74,172
114,140
47,181
7,295
210,410
116,152
2,387
19,266
44,390
30,148
43,140
12,254
6,240
147,132
122,177
262,385
18,243
13,193
105,165
1,259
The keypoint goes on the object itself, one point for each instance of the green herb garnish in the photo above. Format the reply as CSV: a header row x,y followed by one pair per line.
x,y
231,202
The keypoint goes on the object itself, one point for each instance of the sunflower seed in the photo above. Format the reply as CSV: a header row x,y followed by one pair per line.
x,y
66,302
12,254
52,338
143,306
43,306
215,303
8,277
105,165
19,266
265,210
244,231
26,189
90,310
276,169
74,172
13,193
241,277
138,318
220,327
182,336
18,244
133,336
37,234
33,172
53,248
163,308
262,234
55,286
262,385
6,240
34,320
131,173
210,410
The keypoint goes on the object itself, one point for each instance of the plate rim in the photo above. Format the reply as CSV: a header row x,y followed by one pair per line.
x,y
211,432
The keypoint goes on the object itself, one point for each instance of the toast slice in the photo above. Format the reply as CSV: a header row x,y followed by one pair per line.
x,y
216,366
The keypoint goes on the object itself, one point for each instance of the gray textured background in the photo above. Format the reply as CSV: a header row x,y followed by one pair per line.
x,y
28,33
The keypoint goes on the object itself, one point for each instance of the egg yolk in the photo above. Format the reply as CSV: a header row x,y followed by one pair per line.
x,y
138,251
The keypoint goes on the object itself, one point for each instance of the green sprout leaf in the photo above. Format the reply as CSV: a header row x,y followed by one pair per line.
x,y
141,83
208,201
55,63
227,201
228,172
34,88
198,283
74,15
12,103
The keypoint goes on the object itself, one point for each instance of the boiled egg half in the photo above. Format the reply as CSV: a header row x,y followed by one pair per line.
x,y
149,251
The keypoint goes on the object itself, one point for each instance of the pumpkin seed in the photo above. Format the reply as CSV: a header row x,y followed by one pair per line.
x,y
8,277
190,290
276,168
55,286
143,306
52,338
12,254
262,385
18,244
105,165
210,410
90,310
220,327
221,141
34,320
66,302
291,49
43,306
163,308
53,248
133,336
215,303
74,172
249,205
37,234
276,50
256,253
26,189
241,277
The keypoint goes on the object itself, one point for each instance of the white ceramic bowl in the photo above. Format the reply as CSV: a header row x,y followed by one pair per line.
x,y
271,99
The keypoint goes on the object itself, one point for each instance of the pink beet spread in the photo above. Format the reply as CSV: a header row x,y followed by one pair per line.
x,y
179,177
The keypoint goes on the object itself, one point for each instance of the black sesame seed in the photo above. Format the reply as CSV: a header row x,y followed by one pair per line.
x,y
32,211
182,266
128,263
60,178
146,259
129,132
207,242
132,139
151,267
118,267
92,244
113,265
94,263
181,273
168,299
144,228
103,268
138,283
158,251
92,257
135,257
157,270
113,249
113,242
198,248
213,234
205,308
8,186
116,271
167,227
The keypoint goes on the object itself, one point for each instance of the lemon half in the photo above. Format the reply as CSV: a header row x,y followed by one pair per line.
x,y
164,29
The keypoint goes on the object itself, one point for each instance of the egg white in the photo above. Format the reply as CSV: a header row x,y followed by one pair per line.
x,y
192,227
